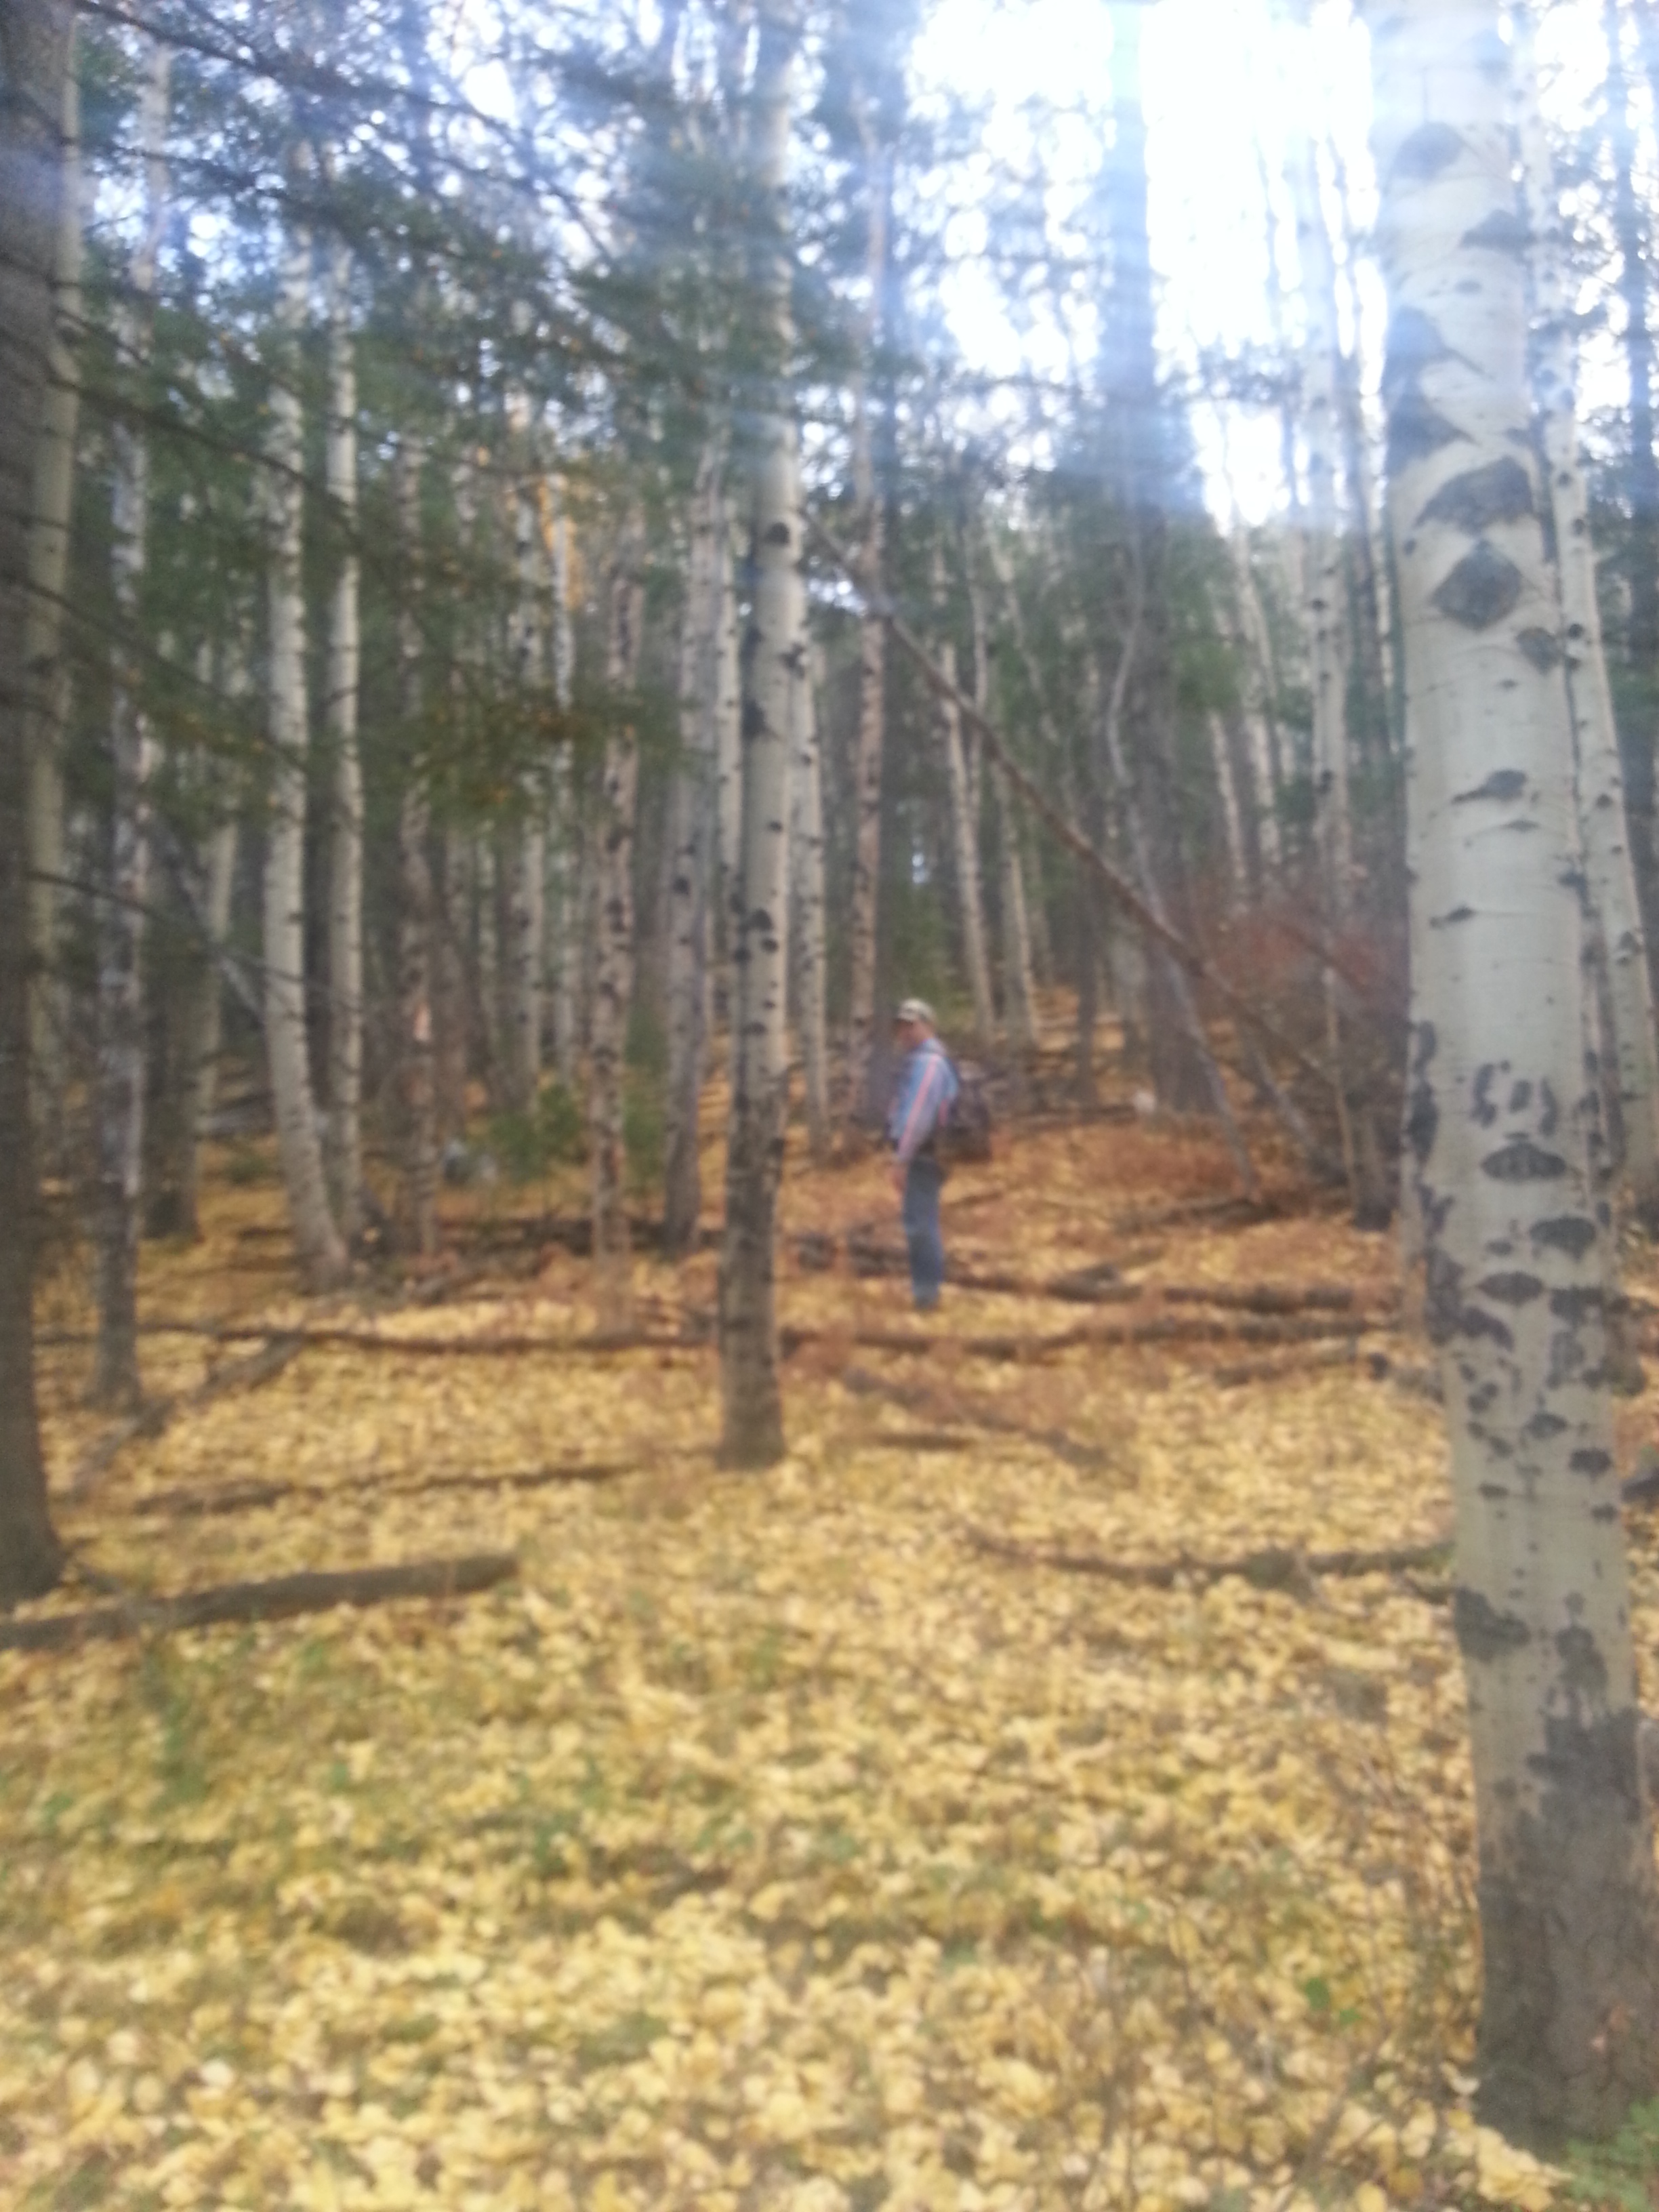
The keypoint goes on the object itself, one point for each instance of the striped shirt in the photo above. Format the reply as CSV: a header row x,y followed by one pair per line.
x,y
926,1089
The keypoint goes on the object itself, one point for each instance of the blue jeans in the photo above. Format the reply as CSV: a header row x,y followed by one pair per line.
x,y
922,1184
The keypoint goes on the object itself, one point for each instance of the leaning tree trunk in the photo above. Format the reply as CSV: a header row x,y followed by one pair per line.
x,y
43,658
776,662
346,889
34,53
321,1254
613,982
1499,1107
417,1048
689,822
873,650
120,1108
1608,869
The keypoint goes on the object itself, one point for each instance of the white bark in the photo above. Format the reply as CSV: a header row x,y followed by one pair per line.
x,y
964,846
1609,872
120,958
1500,1111
564,955
43,654
1321,564
202,1026
806,879
1231,814
345,899
1260,736
525,838
320,1253
1019,992
728,721
417,1044
777,666
690,826
613,983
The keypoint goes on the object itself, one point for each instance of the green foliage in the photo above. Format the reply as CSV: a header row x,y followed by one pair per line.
x,y
1623,2173
644,1131
553,1134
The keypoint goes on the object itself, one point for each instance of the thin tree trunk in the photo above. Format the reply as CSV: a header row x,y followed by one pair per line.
x,y
806,877
526,840
417,1052
964,841
321,1254
43,658
1261,734
1609,868
565,961
34,56
613,985
1019,991
728,739
451,1019
1232,814
690,822
872,643
1570,1917
345,899
203,1026
776,664
121,960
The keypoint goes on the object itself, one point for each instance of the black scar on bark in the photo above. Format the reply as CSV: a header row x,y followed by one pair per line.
x,y
1583,1669
1590,1460
1581,1303
754,721
1501,232
1541,647
1443,1296
1476,1325
1422,1120
1549,1114
1522,1161
778,534
1428,150
1483,588
1500,492
1483,1633
1504,784
1511,1288
1521,1096
1542,1426
1570,1233
1416,429
1484,1112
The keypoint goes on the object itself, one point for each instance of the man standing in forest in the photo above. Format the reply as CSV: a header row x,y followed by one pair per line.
x,y
925,1092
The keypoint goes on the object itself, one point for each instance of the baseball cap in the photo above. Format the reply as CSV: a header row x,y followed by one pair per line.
x,y
914,1010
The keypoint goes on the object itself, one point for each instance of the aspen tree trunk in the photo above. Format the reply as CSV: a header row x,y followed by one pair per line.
x,y
1609,871
1322,563
690,821
524,842
613,981
728,724
344,1155
1499,1115
964,841
43,658
451,999
1260,734
416,1044
120,955
872,643
565,959
36,49
806,877
320,1253
1019,993
203,1026
776,664
1232,820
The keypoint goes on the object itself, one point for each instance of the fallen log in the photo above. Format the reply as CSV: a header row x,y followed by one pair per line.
x,y
1270,1369
188,1503
278,1599
245,1374
1278,1566
1262,1297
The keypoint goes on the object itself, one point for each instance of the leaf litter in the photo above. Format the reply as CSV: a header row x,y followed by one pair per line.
x,y
765,1842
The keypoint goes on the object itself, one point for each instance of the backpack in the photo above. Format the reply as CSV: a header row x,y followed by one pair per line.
x,y
963,1134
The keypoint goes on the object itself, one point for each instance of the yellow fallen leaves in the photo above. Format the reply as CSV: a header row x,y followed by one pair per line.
x,y
765,1846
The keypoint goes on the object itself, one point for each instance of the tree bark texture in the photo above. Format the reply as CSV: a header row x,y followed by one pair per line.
x,y
776,665
613,982
201,1025
1609,870
346,889
564,959
690,839
43,658
1500,1110
120,1109
34,60
321,1254
418,1045
807,886
526,842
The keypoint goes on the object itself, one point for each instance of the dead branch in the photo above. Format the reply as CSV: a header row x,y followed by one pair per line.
x,y
1276,1567
191,1503
992,1420
245,1374
278,1599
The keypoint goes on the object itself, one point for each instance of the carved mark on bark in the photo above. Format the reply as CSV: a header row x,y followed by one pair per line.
x,y
1484,1111
1500,492
1483,588
1430,149
1483,1633
1504,784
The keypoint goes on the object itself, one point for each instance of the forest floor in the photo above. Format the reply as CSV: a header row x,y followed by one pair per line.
x,y
836,1837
